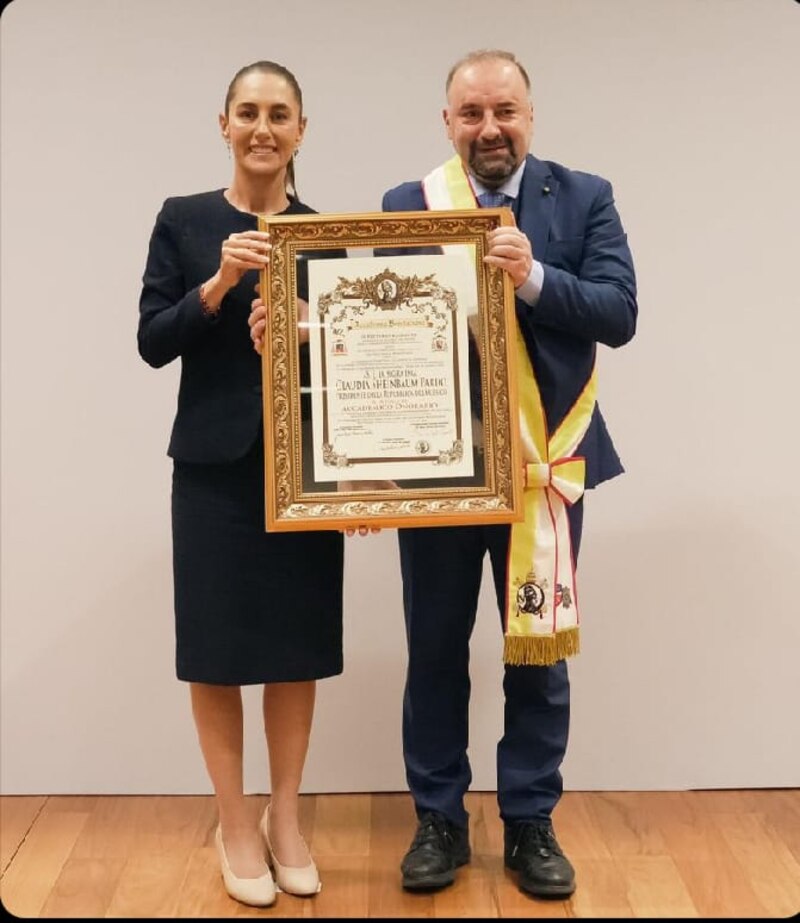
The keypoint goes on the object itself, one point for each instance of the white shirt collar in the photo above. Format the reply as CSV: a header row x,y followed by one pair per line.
x,y
510,187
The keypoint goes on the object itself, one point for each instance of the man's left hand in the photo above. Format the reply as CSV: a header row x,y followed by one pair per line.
x,y
511,250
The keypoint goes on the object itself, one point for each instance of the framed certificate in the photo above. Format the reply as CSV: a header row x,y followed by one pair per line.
x,y
388,372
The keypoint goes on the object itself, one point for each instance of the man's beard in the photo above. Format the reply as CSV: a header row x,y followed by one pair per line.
x,y
492,170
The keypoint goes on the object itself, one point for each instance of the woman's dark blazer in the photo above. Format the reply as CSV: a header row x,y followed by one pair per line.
x,y
219,409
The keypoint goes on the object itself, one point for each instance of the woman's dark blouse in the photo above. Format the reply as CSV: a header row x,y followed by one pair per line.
x,y
219,400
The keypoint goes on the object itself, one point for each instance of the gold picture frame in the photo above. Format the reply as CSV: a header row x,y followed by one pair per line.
x,y
424,282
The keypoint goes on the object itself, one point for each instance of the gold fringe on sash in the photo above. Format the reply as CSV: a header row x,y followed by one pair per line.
x,y
541,650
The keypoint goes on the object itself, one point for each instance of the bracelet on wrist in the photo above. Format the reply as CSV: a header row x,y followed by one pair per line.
x,y
207,309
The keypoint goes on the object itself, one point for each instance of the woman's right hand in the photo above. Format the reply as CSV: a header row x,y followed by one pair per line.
x,y
240,253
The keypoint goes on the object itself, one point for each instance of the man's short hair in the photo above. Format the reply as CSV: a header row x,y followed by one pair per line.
x,y
487,54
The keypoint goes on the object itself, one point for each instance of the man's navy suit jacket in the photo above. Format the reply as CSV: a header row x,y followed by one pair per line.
x,y
588,295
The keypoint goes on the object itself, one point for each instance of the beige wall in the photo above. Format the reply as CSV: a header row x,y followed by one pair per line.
x,y
688,676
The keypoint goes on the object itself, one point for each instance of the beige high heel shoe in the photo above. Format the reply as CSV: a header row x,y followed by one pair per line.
x,y
300,880
258,892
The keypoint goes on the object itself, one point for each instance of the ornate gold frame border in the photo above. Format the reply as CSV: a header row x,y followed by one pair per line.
x,y
288,506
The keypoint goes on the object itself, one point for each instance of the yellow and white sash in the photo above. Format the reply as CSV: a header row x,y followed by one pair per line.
x,y
541,616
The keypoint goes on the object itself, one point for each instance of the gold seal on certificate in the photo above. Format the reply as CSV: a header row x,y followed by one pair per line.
x,y
389,377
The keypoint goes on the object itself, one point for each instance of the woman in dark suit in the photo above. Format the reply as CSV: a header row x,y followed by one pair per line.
x,y
248,604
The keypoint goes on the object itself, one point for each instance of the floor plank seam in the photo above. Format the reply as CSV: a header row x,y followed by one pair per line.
x,y
24,838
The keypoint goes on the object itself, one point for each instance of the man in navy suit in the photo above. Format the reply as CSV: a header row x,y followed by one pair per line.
x,y
575,287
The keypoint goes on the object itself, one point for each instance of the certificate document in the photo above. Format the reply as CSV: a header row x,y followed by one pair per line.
x,y
389,360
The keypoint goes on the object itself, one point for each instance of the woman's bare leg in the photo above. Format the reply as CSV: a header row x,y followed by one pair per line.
x,y
218,717
288,711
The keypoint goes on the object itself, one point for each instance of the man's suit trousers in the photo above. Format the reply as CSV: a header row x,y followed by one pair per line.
x,y
442,569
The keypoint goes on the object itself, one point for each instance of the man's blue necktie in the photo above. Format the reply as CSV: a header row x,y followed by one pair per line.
x,y
492,199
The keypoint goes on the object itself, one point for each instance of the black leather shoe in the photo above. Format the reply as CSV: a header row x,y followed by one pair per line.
x,y
531,848
438,849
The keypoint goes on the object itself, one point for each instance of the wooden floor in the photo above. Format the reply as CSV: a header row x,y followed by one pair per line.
x,y
636,854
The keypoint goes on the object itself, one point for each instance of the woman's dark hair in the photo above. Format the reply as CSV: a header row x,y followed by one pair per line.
x,y
270,67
